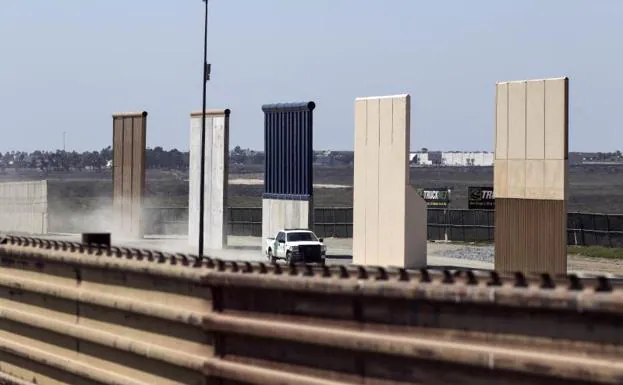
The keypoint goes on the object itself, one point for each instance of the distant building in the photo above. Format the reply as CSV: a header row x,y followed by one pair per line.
x,y
459,158
419,158
434,157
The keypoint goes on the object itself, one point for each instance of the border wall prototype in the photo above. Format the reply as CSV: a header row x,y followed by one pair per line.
x,y
530,175
389,217
129,132
288,173
24,207
216,178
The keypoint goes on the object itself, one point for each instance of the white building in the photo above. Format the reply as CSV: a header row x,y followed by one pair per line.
x,y
419,158
458,158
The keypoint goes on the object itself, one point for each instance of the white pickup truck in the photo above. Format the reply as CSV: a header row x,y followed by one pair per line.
x,y
296,245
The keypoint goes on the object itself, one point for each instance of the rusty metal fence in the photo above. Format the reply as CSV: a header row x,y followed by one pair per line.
x,y
79,314
584,229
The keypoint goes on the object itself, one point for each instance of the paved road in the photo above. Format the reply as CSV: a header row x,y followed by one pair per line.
x,y
339,251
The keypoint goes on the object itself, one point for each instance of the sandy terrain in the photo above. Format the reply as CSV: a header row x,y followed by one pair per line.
x,y
610,266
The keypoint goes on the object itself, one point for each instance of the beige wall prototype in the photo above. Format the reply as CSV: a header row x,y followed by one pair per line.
x,y
24,207
216,177
530,175
389,217
129,131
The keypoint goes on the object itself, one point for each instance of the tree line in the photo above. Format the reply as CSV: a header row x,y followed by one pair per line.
x,y
174,159
155,158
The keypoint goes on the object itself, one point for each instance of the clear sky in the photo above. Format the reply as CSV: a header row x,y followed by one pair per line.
x,y
67,65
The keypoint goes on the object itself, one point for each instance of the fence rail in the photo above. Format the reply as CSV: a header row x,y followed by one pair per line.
x,y
583,229
77,314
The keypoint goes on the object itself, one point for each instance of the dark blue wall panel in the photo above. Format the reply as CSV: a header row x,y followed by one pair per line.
x,y
288,150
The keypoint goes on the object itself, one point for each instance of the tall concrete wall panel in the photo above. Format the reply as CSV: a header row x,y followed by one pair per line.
x,y
288,173
389,217
530,175
24,207
129,132
216,178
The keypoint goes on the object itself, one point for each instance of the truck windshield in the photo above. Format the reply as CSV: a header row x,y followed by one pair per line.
x,y
301,236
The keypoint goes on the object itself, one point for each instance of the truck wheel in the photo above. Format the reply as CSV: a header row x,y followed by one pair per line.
x,y
271,258
289,258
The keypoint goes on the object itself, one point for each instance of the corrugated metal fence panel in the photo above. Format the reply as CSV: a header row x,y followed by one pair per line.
x,y
129,132
531,235
288,149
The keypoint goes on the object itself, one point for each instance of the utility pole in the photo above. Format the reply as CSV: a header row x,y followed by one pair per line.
x,y
206,77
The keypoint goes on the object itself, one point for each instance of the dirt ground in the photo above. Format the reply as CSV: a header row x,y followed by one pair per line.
x,y
439,250
610,266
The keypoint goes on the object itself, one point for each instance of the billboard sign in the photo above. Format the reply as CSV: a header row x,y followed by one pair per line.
x,y
435,197
480,198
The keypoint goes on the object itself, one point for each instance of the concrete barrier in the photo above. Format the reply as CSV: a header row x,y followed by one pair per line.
x,y
76,314
75,318
216,175
389,217
24,207
281,213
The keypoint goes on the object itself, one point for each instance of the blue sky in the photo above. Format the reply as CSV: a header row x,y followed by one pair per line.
x,y
67,65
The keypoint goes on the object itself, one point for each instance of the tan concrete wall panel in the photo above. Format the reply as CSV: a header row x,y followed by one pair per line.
x,y
416,232
535,120
516,178
501,121
373,229
359,177
535,178
555,179
24,207
536,129
500,177
392,112
516,120
389,226
129,134
556,116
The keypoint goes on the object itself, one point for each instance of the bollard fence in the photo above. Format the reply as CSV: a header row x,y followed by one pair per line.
x,y
584,229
